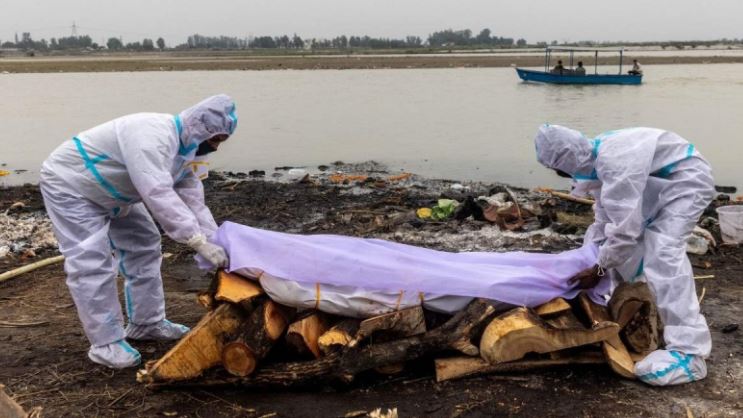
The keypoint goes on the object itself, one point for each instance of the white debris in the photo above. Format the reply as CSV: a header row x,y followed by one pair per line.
x,y
486,238
24,231
296,174
498,200
699,241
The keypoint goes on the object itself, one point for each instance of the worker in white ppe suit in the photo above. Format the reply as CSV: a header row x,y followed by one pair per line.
x,y
650,187
100,188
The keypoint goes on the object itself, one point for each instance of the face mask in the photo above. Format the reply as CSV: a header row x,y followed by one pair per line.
x,y
205,148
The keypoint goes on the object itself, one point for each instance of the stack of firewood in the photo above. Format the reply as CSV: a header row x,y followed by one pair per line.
x,y
246,338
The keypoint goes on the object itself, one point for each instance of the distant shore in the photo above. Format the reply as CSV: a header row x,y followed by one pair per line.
x,y
237,60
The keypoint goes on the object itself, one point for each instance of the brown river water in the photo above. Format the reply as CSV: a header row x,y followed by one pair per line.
x,y
459,123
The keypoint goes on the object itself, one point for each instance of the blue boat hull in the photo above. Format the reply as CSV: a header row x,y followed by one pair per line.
x,y
542,77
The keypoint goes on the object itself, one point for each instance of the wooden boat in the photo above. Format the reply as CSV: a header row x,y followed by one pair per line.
x,y
570,76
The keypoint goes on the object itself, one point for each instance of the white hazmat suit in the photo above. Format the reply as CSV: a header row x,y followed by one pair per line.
x,y
650,186
98,187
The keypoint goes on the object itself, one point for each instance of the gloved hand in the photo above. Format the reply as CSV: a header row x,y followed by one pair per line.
x,y
211,252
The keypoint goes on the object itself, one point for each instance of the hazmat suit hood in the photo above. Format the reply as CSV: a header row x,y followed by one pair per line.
x,y
565,149
212,116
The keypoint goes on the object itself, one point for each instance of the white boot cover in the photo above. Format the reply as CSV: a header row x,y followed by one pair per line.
x,y
117,355
664,368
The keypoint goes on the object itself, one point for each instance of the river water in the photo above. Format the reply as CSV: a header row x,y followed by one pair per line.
x,y
466,124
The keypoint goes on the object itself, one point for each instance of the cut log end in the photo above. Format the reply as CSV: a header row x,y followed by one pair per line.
x,y
339,336
238,359
303,335
275,319
235,288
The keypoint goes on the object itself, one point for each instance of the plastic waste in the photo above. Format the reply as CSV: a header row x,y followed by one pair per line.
x,y
423,213
696,244
296,174
444,209
731,223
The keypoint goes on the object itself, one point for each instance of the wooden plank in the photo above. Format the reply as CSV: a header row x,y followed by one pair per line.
x,y
458,367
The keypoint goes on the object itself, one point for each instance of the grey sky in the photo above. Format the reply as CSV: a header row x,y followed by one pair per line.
x,y
535,20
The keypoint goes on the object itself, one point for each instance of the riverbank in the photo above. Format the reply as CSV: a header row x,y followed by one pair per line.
x,y
46,364
208,61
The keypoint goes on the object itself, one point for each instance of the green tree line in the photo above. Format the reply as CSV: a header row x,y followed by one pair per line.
x,y
441,39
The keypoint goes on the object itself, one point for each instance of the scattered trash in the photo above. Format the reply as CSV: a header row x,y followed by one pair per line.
x,y
696,244
708,276
16,206
4,250
22,230
703,265
256,173
424,213
729,328
468,208
297,175
347,178
565,196
4,173
323,167
458,187
443,209
399,177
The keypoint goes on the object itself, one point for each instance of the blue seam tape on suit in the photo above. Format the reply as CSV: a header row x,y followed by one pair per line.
x,y
90,165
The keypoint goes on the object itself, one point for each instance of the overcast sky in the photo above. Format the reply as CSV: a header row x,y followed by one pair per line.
x,y
535,20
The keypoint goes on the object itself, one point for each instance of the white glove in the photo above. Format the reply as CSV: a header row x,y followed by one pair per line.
x,y
211,252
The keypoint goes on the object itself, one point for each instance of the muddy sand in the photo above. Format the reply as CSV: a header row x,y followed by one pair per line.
x,y
205,61
46,365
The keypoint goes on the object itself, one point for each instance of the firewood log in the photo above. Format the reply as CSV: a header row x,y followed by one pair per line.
x,y
198,350
254,339
303,334
520,331
614,349
236,289
402,323
458,367
554,307
339,336
345,365
632,306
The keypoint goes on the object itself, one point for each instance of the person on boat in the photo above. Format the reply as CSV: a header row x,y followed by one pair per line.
x,y
559,69
580,69
102,189
636,69
650,187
